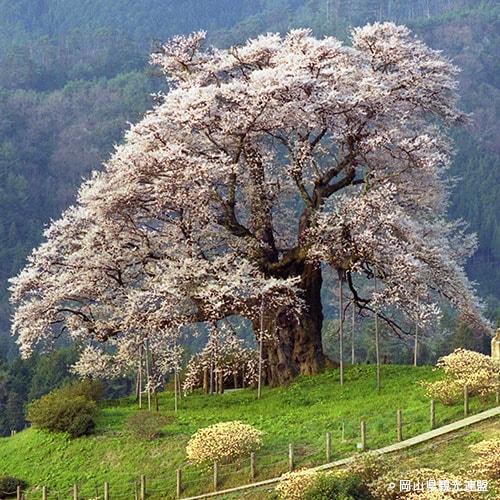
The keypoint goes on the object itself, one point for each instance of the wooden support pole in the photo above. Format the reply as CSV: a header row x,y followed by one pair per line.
x,y
206,384
75,492
143,487
19,493
44,493
179,385
179,483
291,464
176,392
253,467
341,327
363,436
106,491
377,337
328,447
466,400
261,349
216,476
433,414
400,425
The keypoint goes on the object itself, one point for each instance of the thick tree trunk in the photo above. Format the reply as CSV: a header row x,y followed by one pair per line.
x,y
293,341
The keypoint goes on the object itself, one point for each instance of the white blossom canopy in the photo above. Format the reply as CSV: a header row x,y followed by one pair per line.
x,y
261,162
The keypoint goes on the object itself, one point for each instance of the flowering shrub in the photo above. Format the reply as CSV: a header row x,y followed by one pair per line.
x,y
446,392
421,484
443,495
488,461
479,372
308,484
294,485
339,484
368,466
223,442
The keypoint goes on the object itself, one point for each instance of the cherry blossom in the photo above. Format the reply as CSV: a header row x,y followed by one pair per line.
x,y
262,163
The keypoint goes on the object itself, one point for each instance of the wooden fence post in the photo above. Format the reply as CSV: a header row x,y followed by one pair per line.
x,y
291,464
179,483
400,425
328,447
363,436
433,414
75,491
19,493
44,493
106,491
466,400
206,385
216,475
253,468
143,487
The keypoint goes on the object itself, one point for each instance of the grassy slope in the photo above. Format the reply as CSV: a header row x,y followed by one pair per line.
x,y
300,414
451,453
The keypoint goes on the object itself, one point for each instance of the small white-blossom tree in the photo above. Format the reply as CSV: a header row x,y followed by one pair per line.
x,y
262,162
226,358
152,358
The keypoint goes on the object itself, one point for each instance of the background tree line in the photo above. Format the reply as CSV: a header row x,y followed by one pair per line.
x,y
26,380
72,74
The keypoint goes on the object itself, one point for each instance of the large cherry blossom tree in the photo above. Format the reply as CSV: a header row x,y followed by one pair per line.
x,y
262,164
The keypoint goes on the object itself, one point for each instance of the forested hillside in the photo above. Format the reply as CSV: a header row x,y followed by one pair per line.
x,y
72,74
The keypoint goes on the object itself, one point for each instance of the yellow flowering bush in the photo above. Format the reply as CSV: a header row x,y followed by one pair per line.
x,y
488,461
308,484
421,484
368,466
223,442
444,495
479,372
294,485
446,392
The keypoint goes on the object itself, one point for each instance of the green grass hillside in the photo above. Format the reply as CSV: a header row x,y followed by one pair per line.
x,y
301,414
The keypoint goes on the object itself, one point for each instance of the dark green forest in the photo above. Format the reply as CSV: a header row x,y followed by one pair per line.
x,y
73,74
